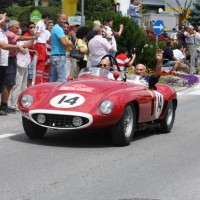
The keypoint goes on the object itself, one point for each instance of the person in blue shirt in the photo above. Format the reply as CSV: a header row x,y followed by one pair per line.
x,y
58,52
134,9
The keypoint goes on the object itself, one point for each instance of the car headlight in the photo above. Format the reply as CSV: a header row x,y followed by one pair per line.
x,y
26,100
106,107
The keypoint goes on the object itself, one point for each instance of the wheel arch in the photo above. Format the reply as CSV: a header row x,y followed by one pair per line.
x,y
136,106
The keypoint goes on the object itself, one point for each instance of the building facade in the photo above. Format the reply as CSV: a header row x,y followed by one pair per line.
x,y
154,5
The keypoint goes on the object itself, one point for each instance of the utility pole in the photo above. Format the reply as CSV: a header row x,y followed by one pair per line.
x,y
82,11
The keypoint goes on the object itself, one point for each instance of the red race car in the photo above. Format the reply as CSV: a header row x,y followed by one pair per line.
x,y
94,101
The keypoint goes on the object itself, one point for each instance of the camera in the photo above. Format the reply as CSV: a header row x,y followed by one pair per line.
x,y
133,51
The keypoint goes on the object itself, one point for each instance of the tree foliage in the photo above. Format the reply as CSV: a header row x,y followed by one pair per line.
x,y
194,14
94,8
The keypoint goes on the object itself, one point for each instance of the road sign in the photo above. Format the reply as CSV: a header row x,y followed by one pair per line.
x,y
35,16
75,20
158,27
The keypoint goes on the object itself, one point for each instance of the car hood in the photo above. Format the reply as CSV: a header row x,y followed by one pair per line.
x,y
89,86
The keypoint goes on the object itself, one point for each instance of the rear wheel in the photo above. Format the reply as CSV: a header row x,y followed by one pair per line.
x,y
123,131
32,130
167,122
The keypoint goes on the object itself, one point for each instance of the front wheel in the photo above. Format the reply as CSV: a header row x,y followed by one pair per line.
x,y
167,122
32,130
122,133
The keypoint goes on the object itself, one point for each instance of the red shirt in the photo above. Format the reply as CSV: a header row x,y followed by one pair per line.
x,y
12,39
32,47
122,60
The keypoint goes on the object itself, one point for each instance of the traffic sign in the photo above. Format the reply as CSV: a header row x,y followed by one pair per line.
x,y
72,20
35,16
158,27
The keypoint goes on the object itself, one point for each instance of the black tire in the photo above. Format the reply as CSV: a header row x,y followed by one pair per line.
x,y
122,133
167,122
33,130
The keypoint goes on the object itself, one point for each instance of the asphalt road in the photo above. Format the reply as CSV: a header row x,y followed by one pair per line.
x,y
85,166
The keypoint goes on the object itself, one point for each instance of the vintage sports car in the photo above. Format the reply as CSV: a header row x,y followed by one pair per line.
x,y
94,101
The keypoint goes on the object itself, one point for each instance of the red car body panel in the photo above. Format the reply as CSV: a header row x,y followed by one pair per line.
x,y
93,90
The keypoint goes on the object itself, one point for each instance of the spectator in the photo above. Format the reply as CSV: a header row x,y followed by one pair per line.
x,y
123,60
58,53
66,29
72,36
169,58
81,45
98,47
40,47
189,35
197,47
46,74
105,33
4,46
134,9
181,37
108,26
10,77
179,53
33,55
23,60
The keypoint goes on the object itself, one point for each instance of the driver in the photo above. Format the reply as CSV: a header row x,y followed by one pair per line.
x,y
150,81
105,66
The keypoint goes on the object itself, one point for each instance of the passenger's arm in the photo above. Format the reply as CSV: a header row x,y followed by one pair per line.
x,y
159,57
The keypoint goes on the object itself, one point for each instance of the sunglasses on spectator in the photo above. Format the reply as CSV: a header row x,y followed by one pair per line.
x,y
31,27
102,65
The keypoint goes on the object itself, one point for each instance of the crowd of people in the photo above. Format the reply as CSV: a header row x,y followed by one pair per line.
x,y
184,54
40,53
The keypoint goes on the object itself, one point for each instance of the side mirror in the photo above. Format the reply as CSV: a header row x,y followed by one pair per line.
x,y
116,75
70,78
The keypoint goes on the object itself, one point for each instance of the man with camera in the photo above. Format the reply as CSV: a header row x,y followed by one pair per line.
x,y
134,9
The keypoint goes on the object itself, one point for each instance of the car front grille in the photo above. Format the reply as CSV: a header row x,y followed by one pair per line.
x,y
59,121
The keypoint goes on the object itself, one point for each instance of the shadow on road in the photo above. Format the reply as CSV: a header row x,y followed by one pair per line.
x,y
81,139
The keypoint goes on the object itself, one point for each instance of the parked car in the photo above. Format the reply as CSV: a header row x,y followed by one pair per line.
x,y
93,101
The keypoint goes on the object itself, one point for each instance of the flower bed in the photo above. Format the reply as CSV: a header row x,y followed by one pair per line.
x,y
179,79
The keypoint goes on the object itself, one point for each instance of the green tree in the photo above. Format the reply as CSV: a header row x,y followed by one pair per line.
x,y
94,8
194,14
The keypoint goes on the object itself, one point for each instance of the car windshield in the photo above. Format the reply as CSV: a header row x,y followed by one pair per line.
x,y
97,72
109,74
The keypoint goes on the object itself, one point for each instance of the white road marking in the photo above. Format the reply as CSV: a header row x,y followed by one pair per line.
x,y
6,135
196,92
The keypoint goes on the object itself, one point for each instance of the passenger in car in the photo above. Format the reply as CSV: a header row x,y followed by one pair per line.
x,y
150,81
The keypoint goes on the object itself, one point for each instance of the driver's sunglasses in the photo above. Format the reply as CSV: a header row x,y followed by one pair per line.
x,y
102,65
31,27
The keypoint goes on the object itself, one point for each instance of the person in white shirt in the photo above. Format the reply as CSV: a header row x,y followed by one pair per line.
x,y
179,53
4,47
108,27
40,47
98,47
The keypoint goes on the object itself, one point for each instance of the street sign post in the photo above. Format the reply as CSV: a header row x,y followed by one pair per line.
x,y
158,28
